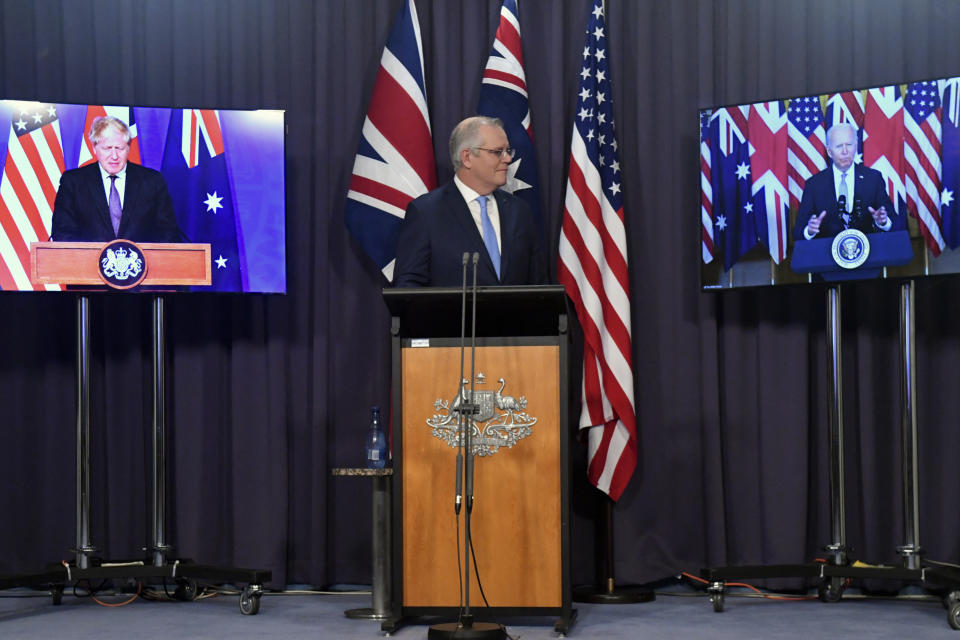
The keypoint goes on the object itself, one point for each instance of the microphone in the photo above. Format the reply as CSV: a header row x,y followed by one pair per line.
x,y
459,501
842,203
461,388
468,424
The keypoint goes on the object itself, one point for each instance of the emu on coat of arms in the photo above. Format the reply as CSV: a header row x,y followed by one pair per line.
x,y
500,420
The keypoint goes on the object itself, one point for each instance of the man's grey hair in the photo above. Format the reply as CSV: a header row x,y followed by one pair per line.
x,y
101,124
466,135
841,125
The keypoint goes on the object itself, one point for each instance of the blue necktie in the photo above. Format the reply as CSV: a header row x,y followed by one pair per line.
x,y
115,211
489,235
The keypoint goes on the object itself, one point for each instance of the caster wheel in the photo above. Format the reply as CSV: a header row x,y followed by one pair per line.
x,y
953,616
830,589
250,601
950,598
186,590
716,599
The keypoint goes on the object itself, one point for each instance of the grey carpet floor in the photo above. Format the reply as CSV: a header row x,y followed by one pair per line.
x,y
676,614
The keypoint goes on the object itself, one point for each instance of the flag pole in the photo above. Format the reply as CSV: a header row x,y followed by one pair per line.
x,y
608,592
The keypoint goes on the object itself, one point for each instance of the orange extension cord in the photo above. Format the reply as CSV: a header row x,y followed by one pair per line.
x,y
767,596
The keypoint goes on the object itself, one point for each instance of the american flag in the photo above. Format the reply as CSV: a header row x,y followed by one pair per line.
x,y
733,215
921,154
806,144
706,190
949,208
98,111
767,130
592,266
503,94
883,143
31,177
394,162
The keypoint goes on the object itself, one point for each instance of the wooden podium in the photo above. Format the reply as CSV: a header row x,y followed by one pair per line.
x,y
76,263
520,519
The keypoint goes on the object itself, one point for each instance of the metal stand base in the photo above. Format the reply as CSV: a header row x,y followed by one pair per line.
x,y
365,613
476,631
157,565
613,595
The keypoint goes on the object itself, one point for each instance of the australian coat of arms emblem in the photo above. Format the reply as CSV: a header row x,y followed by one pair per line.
x,y
500,420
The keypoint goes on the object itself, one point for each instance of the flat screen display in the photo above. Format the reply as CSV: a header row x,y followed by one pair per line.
x,y
214,176
844,185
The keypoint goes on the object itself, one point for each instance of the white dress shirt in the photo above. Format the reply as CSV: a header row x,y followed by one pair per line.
x,y
492,211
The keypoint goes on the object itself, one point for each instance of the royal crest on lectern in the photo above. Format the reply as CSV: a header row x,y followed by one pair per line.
x,y
501,420
121,264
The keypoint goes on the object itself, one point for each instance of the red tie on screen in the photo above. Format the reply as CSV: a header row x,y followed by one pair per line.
x,y
115,210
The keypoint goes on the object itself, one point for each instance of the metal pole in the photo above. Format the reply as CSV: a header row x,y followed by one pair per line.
x,y
911,522
382,599
159,546
83,548
838,545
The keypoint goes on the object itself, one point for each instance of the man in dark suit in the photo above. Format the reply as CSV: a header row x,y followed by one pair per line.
x,y
844,195
113,198
471,214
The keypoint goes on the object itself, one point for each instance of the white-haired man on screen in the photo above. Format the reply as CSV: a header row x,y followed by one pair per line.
x,y
844,195
113,198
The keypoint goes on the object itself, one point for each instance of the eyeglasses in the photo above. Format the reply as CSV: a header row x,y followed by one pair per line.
x,y
499,152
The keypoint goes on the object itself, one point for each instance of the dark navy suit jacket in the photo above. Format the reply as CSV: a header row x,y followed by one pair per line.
x,y
81,213
438,228
819,195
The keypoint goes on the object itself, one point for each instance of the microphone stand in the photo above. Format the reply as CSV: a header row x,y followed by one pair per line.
x,y
466,628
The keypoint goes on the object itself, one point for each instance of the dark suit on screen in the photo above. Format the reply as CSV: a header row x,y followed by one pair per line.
x,y
438,228
819,194
81,212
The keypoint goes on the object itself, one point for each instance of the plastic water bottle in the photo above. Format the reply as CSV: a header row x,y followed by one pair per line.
x,y
376,442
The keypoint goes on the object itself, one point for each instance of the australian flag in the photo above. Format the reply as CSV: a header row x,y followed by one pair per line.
x,y
503,94
195,167
735,230
949,211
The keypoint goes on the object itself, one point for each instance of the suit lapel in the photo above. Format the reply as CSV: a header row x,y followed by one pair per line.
x,y
508,233
98,194
131,193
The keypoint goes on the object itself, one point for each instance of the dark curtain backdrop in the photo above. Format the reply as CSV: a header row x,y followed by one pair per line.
x,y
268,393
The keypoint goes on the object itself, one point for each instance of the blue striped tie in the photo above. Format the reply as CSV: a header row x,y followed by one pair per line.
x,y
489,235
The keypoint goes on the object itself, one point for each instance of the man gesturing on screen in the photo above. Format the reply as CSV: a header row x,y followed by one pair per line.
x,y
113,198
844,195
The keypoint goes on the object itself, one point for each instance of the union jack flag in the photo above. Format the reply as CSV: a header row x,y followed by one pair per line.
x,y
949,209
921,153
806,144
394,162
503,94
31,176
767,127
98,111
883,142
706,190
592,266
